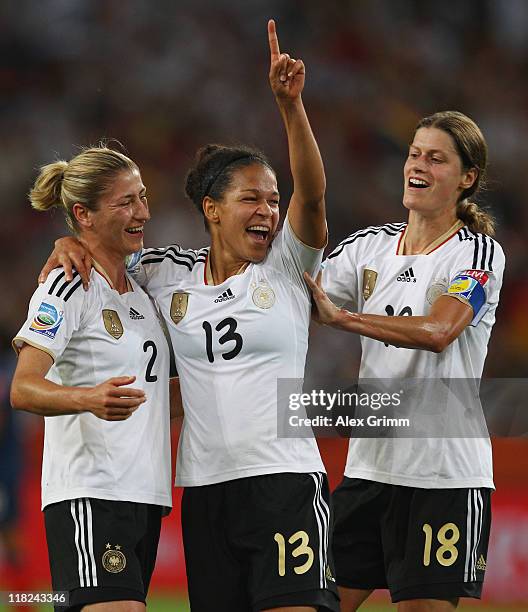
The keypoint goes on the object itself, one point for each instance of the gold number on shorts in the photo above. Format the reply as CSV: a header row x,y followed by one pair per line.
x,y
447,552
302,549
279,538
448,544
428,541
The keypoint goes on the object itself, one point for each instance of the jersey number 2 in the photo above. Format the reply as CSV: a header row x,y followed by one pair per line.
x,y
229,335
149,344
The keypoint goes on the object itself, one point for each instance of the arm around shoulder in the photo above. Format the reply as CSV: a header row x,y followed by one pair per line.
x,y
446,321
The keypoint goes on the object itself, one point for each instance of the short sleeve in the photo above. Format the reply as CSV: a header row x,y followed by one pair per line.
x,y
54,314
476,276
292,256
156,268
340,275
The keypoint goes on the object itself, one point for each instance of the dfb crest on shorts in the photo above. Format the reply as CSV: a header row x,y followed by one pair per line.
x,y
114,561
369,282
112,323
178,307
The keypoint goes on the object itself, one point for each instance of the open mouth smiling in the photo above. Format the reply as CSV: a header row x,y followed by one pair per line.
x,y
259,232
417,183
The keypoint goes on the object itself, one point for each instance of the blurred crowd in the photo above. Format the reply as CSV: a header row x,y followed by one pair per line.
x,y
165,77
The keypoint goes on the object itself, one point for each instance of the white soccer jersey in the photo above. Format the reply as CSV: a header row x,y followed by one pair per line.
x,y
367,271
232,341
92,336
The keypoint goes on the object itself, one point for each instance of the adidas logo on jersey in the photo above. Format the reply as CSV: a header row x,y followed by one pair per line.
x,y
407,276
224,296
134,314
481,564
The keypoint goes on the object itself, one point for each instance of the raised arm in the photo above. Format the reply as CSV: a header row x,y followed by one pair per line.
x,y
446,321
306,211
31,391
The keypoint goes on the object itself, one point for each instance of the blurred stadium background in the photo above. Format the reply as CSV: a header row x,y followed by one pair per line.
x,y
166,77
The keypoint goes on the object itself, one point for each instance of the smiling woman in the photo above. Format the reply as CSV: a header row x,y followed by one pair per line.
x,y
115,228
255,509
235,188
425,294
106,468
446,165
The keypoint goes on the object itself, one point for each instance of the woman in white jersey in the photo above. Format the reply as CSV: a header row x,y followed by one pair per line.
x,y
413,515
106,477
255,508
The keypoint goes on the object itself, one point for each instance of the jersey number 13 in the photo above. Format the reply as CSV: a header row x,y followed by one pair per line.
x,y
228,327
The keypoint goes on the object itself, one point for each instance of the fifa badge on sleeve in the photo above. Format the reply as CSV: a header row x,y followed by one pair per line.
x,y
47,320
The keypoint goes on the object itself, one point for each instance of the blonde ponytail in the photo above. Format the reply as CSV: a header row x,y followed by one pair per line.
x,y
46,192
477,219
84,179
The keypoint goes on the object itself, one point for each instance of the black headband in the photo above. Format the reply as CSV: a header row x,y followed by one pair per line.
x,y
216,176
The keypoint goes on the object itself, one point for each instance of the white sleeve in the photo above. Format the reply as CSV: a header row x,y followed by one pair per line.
x,y
476,276
340,275
155,268
289,254
55,313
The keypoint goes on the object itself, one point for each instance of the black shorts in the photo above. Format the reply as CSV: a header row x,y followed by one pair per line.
x,y
259,542
419,543
102,550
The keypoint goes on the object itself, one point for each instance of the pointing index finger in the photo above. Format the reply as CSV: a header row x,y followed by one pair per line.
x,y
273,41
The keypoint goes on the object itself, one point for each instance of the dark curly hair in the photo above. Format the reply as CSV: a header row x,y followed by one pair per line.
x,y
213,170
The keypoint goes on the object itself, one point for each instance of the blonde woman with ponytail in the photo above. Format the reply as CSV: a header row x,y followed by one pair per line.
x,y
95,364
413,513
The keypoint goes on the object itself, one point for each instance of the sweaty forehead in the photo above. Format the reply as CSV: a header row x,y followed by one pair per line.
x,y
433,139
257,177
